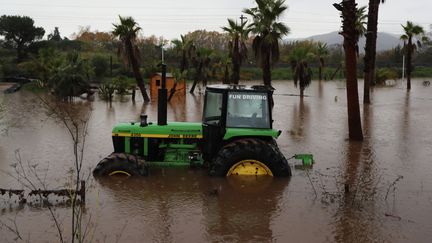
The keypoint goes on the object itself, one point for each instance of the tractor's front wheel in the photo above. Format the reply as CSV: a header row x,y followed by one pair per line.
x,y
119,164
250,157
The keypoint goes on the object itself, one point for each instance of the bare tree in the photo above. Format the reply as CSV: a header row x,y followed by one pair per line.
x,y
76,123
74,117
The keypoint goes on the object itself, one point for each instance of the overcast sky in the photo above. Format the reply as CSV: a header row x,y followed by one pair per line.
x,y
170,18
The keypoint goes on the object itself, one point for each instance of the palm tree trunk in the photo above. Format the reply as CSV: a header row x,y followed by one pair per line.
x,y
236,73
335,72
137,74
140,83
172,91
408,63
266,68
350,46
321,68
226,75
235,62
370,49
193,86
133,93
197,77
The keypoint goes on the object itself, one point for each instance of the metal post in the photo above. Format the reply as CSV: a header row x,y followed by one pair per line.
x,y
162,99
162,53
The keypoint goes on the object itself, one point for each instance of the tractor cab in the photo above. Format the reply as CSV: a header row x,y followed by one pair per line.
x,y
233,107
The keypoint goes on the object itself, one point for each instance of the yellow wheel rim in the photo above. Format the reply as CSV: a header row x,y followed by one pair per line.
x,y
119,172
249,167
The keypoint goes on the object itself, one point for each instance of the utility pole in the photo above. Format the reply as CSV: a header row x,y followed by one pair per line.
x,y
403,68
162,48
242,18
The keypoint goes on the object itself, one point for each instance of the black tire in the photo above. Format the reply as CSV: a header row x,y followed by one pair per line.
x,y
123,164
265,152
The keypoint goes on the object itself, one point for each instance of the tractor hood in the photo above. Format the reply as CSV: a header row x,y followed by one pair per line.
x,y
152,130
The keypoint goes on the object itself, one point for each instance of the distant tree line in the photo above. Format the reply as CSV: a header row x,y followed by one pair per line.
x,y
199,56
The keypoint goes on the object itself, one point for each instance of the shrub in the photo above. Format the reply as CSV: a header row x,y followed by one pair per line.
x,y
122,84
383,74
106,91
100,65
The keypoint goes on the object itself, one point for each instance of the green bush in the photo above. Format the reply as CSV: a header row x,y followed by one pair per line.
x,y
106,91
282,74
383,74
13,70
122,84
422,72
36,86
100,65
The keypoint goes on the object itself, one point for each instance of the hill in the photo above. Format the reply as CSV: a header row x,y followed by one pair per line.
x,y
385,41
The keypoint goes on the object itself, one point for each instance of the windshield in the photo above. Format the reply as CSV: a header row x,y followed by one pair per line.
x,y
213,107
248,109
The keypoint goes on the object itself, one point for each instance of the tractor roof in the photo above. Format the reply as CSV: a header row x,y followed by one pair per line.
x,y
237,88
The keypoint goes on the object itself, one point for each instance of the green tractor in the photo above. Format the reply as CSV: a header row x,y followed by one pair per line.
x,y
235,137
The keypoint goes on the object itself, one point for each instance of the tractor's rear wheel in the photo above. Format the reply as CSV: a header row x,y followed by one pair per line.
x,y
250,157
119,164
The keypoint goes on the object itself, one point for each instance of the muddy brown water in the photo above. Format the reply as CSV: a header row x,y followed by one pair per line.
x,y
352,193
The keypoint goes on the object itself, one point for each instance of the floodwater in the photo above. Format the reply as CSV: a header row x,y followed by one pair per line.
x,y
378,190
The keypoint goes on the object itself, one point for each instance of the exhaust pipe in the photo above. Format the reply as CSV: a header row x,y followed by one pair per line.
x,y
162,99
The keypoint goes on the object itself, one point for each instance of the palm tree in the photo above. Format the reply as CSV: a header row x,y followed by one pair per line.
x,y
268,32
221,68
200,59
351,34
185,47
416,32
302,73
370,48
178,76
237,47
70,78
321,53
127,32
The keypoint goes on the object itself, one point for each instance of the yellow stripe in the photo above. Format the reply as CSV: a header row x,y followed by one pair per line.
x,y
144,135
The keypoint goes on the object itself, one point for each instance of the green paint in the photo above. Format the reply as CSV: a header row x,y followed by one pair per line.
x,y
127,145
179,153
172,129
145,146
307,159
250,132
173,164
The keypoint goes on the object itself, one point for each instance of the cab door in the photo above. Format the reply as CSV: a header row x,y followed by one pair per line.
x,y
213,123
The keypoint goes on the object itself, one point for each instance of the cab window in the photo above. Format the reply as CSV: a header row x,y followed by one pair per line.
x,y
247,109
213,108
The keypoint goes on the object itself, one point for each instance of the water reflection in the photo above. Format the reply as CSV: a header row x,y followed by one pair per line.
x,y
357,219
405,128
177,107
188,206
243,209
320,89
300,123
235,209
